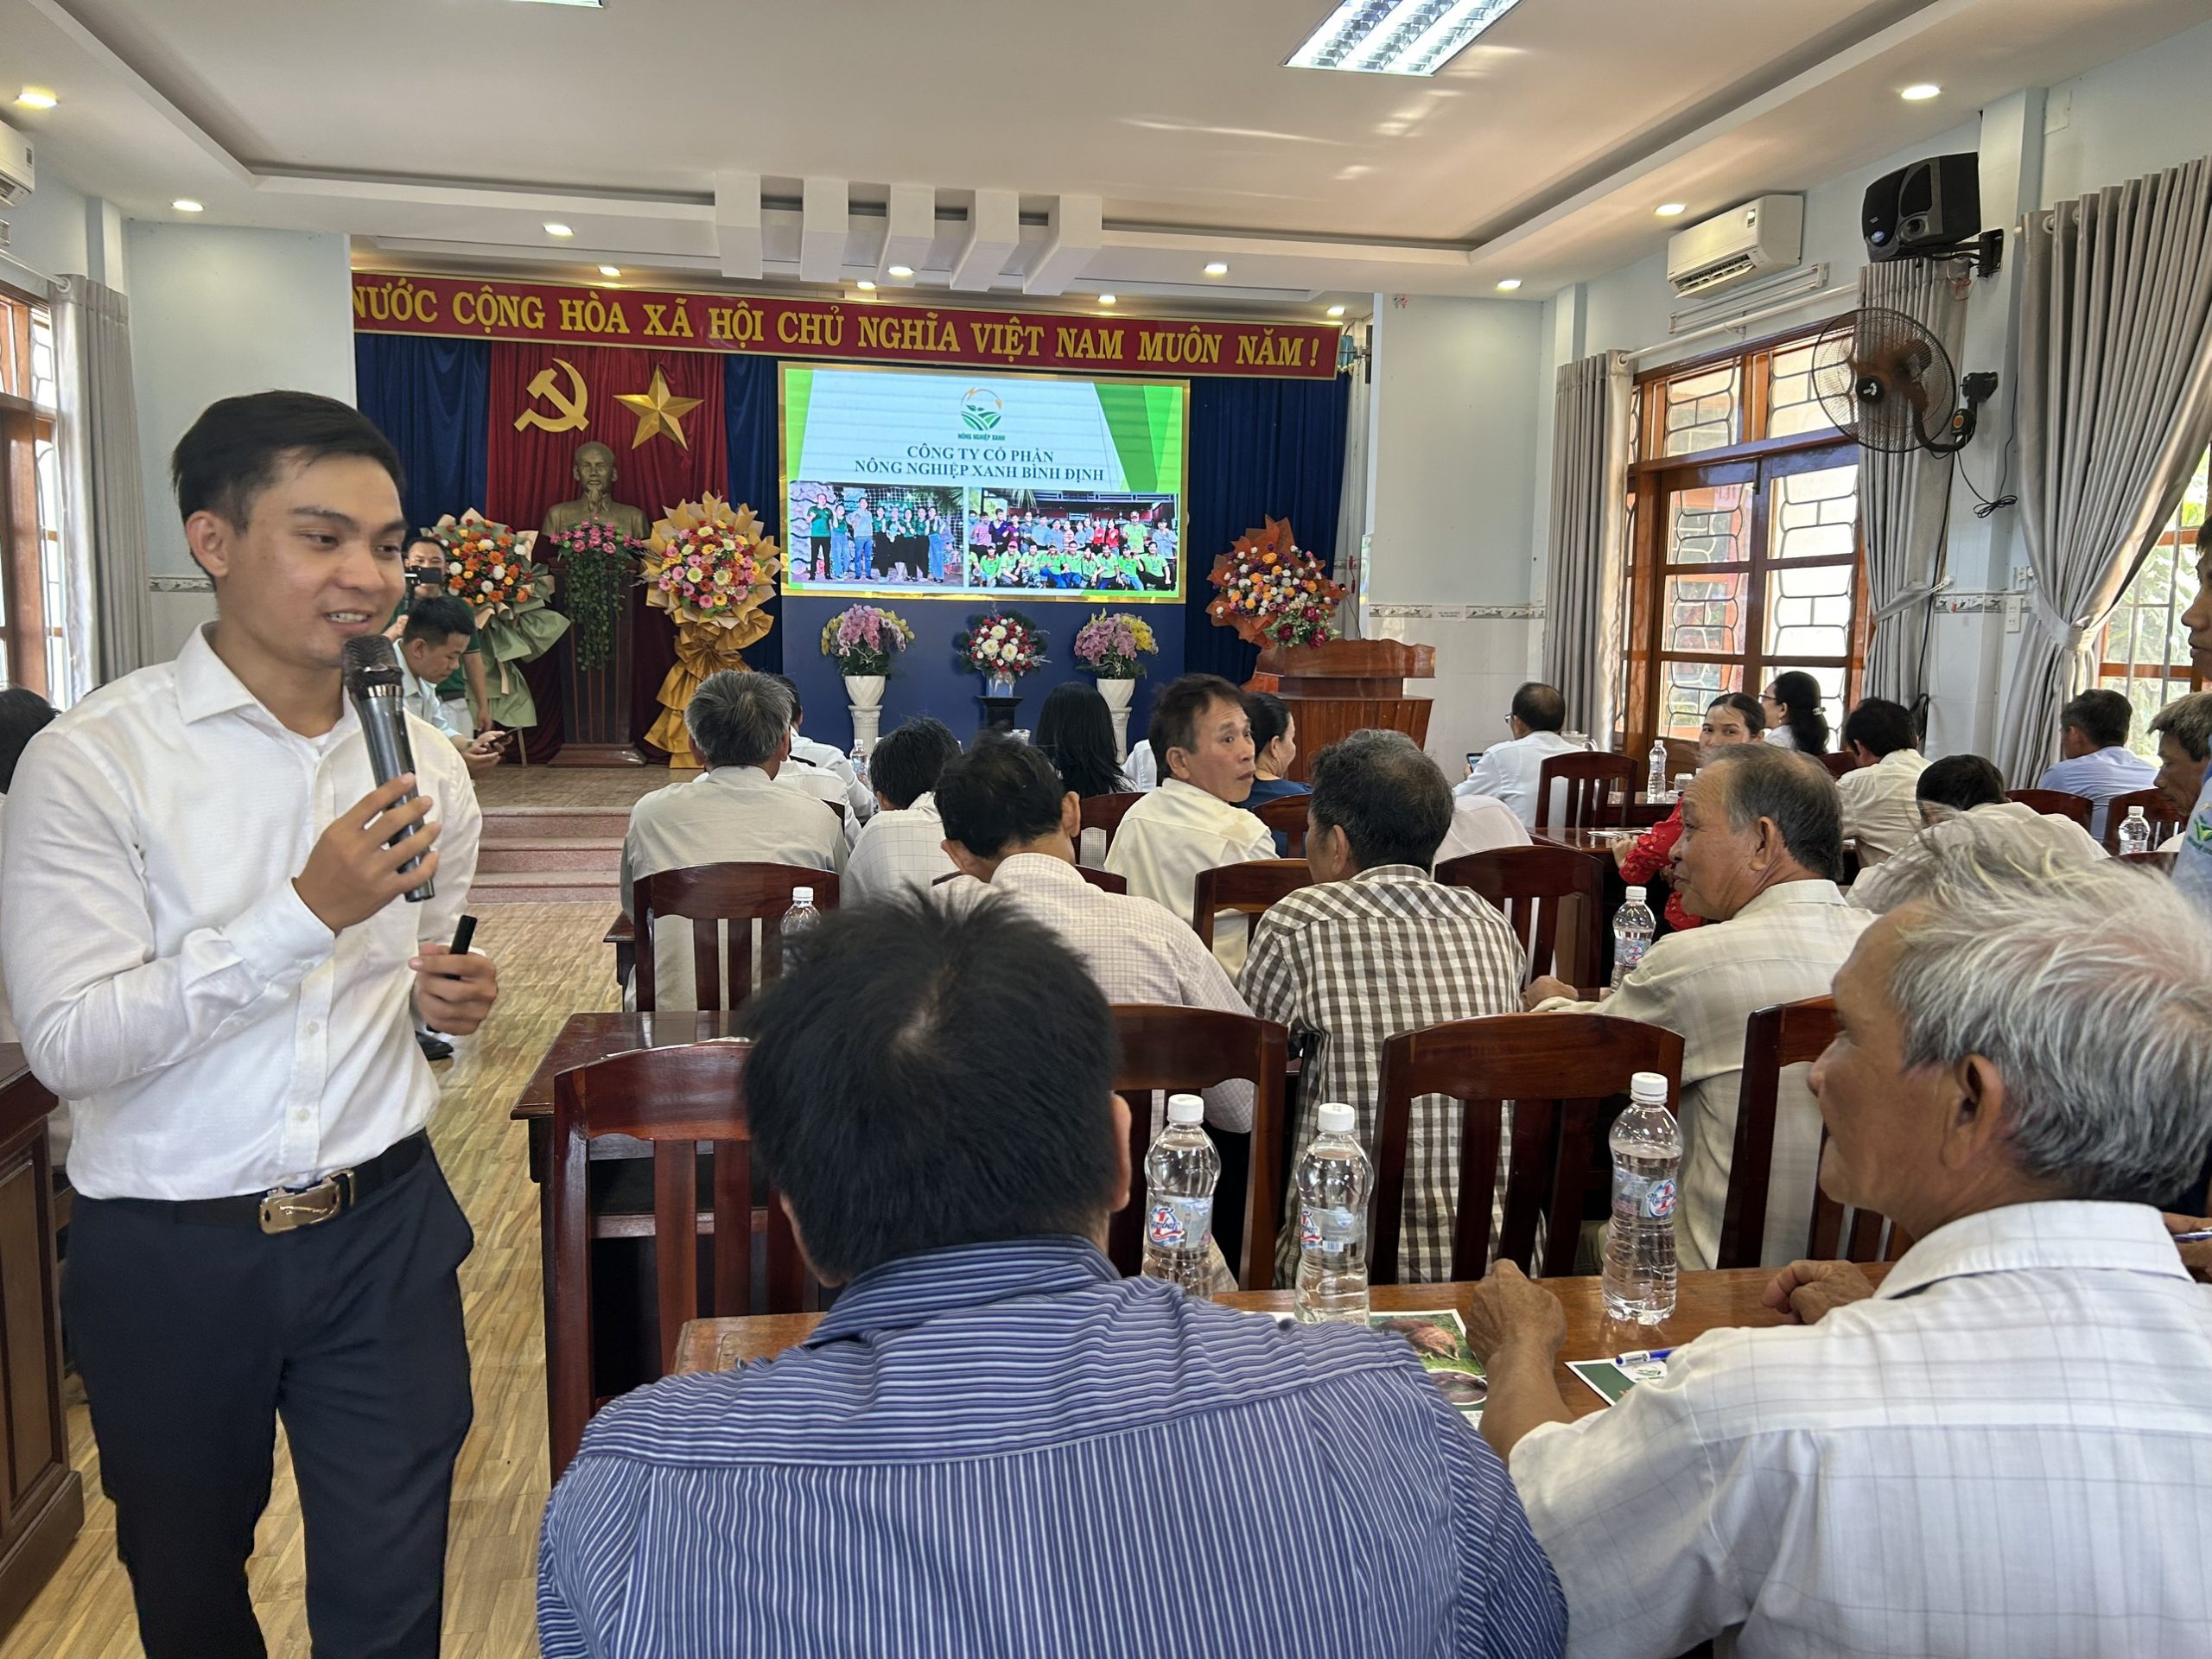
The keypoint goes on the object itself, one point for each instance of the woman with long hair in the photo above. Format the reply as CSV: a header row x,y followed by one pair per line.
x,y
1076,731
1794,720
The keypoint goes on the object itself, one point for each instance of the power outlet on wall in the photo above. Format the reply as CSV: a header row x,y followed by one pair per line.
x,y
2016,606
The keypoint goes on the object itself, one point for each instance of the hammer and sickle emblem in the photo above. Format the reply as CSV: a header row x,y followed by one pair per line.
x,y
545,385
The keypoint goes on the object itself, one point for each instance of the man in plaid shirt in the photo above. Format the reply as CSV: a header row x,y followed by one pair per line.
x,y
1377,949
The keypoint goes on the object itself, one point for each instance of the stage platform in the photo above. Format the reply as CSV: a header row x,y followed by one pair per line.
x,y
553,834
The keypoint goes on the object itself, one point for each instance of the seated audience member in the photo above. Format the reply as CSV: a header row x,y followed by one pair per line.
x,y
732,813
1729,720
1792,707
1880,810
1010,821
2000,1451
1376,948
1481,824
2093,738
2183,728
1274,751
1509,772
969,1441
1192,822
466,693
902,848
2193,852
1075,728
1761,841
814,768
1141,766
437,631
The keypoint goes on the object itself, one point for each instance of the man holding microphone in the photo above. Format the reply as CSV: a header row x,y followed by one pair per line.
x,y
211,959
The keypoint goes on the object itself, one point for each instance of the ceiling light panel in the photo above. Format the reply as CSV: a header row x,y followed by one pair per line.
x,y
1396,37
36,97
593,5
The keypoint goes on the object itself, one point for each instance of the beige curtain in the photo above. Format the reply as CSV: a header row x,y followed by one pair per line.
x,y
1902,499
2115,407
1583,581
1352,513
105,545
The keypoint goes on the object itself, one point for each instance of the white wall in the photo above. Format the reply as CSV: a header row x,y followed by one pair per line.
x,y
46,234
2123,119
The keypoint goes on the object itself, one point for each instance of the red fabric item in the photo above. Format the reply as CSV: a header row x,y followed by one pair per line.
x,y
1651,858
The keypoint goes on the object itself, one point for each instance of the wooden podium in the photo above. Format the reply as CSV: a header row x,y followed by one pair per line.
x,y
1346,686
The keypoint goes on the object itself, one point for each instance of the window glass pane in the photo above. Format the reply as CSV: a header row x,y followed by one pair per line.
x,y
1703,410
42,389
1705,614
54,575
1816,514
2144,653
1809,610
1791,406
1709,526
1685,689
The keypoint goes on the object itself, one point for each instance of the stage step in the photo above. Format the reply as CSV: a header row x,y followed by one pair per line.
x,y
580,854
547,887
533,822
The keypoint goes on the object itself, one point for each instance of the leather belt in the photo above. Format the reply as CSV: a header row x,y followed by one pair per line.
x,y
286,1210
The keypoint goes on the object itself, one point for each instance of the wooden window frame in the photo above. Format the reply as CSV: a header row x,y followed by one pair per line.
x,y
23,426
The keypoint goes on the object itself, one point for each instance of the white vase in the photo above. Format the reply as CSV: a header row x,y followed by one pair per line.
x,y
1117,694
998,685
866,690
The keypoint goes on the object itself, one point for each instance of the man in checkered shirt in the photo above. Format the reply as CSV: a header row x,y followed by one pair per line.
x,y
1376,948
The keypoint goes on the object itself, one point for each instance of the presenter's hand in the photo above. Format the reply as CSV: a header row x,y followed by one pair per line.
x,y
454,994
351,875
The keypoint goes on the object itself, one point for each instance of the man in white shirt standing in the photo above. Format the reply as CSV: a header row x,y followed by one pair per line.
x,y
1203,739
210,959
436,634
1509,771
2002,1450
1880,809
902,849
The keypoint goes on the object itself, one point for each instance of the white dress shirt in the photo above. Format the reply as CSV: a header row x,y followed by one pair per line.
x,y
212,1037
733,814
1142,768
825,787
1481,824
2003,1454
2099,776
1704,984
421,696
859,799
1177,831
1782,737
900,851
1880,811
1509,771
2032,837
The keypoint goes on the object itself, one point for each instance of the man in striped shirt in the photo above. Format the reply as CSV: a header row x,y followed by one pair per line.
x,y
993,1443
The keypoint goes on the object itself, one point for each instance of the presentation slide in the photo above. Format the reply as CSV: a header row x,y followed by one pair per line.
x,y
973,484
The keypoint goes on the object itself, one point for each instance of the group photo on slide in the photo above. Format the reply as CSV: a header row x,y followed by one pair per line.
x,y
868,535
1094,544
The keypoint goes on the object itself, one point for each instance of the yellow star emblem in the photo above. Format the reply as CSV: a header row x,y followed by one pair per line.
x,y
658,410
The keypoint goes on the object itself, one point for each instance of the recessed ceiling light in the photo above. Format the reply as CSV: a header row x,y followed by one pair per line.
x,y
1336,310
1105,299
186,205
610,270
36,97
1396,37
551,229
1921,92
901,270
1670,209
1217,269
593,5
865,286
1508,284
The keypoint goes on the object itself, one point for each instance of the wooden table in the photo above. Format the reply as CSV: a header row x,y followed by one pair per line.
x,y
1706,1301
589,1037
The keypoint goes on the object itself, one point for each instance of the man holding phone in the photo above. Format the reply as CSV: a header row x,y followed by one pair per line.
x,y
210,959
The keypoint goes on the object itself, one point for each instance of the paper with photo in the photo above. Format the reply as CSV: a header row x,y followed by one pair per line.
x,y
1439,1340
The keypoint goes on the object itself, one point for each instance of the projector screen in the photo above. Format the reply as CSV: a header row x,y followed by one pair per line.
x,y
969,484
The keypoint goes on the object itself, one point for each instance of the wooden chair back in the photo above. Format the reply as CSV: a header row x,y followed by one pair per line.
x,y
2058,803
740,894
2153,859
1286,818
676,1098
1104,813
2163,819
1837,761
1176,1050
1529,884
1250,887
1562,1074
1590,779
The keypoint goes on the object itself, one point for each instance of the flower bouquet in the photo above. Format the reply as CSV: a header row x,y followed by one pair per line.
x,y
1111,646
1002,645
488,568
1274,592
862,637
600,561
711,567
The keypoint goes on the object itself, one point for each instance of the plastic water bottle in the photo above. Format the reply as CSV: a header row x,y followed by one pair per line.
x,y
1655,784
1646,1148
1334,1183
2134,832
1681,785
859,759
799,920
1633,926
1179,1175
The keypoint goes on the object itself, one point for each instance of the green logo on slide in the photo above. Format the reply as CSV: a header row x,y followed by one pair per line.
x,y
980,410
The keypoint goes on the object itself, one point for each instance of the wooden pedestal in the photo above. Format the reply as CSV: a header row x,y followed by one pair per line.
x,y
1347,686
595,703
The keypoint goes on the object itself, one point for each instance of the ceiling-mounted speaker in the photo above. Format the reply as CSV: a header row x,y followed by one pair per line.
x,y
1931,207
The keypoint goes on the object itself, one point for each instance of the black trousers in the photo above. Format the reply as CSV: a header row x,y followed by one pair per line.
x,y
193,1340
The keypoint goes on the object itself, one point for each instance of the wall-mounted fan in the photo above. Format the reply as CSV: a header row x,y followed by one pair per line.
x,y
1886,380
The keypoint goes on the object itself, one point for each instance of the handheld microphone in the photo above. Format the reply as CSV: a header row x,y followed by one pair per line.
x,y
378,693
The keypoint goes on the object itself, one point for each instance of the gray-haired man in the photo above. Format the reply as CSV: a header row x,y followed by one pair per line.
x,y
2001,1450
732,813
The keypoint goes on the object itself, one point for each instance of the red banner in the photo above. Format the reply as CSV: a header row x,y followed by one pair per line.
x,y
840,330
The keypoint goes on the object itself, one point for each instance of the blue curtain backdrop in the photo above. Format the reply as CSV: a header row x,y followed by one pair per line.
x,y
749,421
431,397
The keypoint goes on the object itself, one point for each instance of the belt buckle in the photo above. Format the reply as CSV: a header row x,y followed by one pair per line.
x,y
287,1212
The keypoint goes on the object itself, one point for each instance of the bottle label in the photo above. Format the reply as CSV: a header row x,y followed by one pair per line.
x,y
1636,1198
1628,954
1328,1230
1180,1223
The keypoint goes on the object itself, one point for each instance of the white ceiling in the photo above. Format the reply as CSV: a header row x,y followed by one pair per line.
x,y
1138,140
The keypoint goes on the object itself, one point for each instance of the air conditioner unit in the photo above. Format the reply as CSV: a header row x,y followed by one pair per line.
x,y
1753,240
17,172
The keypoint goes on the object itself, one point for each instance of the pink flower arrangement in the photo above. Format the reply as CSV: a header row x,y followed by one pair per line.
x,y
708,568
1111,646
862,637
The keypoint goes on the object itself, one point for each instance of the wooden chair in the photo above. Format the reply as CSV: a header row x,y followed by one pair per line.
x,y
1183,1050
1104,881
1529,884
1590,779
1838,762
1286,818
2057,803
1250,887
1104,813
2162,818
1562,1073
740,894
675,1098
2153,859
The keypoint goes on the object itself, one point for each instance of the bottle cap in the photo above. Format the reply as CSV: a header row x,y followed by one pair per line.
x,y
2134,811
1186,1109
1648,1089
1337,1118
802,895
1636,895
